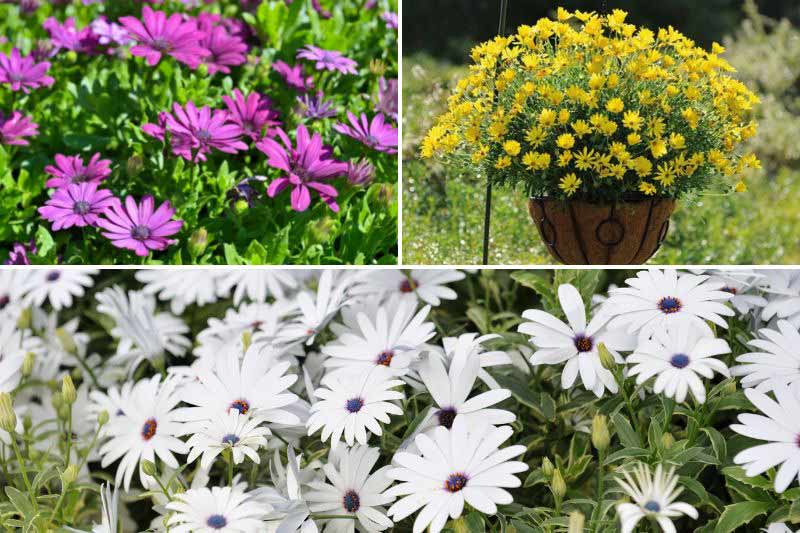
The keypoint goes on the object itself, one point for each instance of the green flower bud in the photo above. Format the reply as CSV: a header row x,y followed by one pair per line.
x,y
28,364
134,165
72,56
8,418
27,423
202,70
69,475
377,67
68,390
57,400
149,468
667,440
63,411
558,485
241,207
606,359
66,341
198,242
247,340
102,418
600,435
25,319
547,468
576,521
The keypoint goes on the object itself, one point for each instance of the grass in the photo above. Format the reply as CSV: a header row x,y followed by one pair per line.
x,y
443,211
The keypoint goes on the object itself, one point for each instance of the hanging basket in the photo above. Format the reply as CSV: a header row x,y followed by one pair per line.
x,y
577,232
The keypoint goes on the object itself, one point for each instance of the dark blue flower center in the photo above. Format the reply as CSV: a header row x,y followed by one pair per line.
x,y
731,290
408,285
385,358
446,417
371,140
160,44
203,135
456,482
149,429
354,405
669,305
140,233
652,506
120,412
231,439
240,405
679,360
80,177
351,501
81,207
216,521
53,275
16,76
583,343
4,301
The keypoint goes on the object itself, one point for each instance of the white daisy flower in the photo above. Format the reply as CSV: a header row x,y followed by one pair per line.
x,y
744,285
657,297
463,464
779,528
776,364
781,427
470,345
285,497
394,339
113,400
256,284
783,294
426,285
109,502
58,286
234,431
61,343
654,497
349,405
12,293
204,510
14,344
679,355
575,343
317,308
147,428
143,333
450,390
353,491
262,321
181,287
255,385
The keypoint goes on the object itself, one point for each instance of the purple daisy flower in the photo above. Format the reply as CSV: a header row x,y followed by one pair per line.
x,y
23,72
361,172
294,76
376,134
390,19
69,169
330,60
200,130
77,205
252,114
16,126
67,37
387,98
157,130
137,227
306,166
158,35
110,33
19,253
315,107
224,50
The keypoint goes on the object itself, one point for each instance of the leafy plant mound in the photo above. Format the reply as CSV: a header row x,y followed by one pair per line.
x,y
198,113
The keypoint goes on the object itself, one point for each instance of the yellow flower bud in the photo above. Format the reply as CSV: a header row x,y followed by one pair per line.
x,y
28,364
247,340
8,418
68,392
102,418
149,467
25,318
576,521
547,468
600,436
606,359
557,484
69,475
66,341
667,440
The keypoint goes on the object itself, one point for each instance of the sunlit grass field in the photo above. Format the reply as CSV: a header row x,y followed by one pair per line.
x,y
443,211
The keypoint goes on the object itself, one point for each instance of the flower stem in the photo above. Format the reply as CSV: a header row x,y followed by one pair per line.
x,y
596,515
24,471
58,505
69,437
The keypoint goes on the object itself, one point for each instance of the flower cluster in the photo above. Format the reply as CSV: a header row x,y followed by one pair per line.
x,y
209,88
250,400
593,107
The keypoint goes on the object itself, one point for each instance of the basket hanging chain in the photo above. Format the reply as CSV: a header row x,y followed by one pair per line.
x,y
487,214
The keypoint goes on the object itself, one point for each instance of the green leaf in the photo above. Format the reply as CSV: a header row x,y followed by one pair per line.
x,y
44,241
739,514
738,473
21,502
717,443
627,435
626,453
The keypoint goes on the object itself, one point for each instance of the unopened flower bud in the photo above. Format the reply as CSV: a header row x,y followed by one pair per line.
x,y
198,242
68,390
557,484
69,475
67,343
202,70
241,207
667,440
8,418
247,340
102,418
57,400
25,319
606,359
134,165
176,487
149,467
28,363
547,468
377,67
63,411
27,423
600,435
576,521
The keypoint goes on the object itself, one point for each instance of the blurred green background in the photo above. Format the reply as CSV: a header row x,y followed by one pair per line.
x,y
443,210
